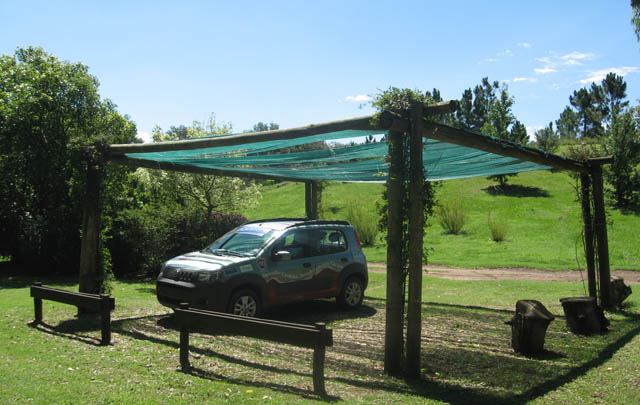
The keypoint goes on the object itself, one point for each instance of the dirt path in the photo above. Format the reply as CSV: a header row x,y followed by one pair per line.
x,y
510,273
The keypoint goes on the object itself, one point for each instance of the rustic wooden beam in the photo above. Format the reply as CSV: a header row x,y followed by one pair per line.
x,y
443,107
457,136
416,233
394,306
600,229
585,199
174,167
363,123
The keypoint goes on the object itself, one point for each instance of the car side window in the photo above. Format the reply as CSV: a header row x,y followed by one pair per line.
x,y
333,241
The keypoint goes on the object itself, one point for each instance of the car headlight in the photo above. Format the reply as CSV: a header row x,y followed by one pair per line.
x,y
208,276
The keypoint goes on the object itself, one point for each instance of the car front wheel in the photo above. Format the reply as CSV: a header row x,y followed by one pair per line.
x,y
244,303
351,294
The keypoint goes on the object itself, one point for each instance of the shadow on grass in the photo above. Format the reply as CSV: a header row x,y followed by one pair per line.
x,y
26,281
516,190
466,354
74,329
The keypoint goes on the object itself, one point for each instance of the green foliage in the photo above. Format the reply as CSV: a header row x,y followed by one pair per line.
x,y
590,106
365,223
623,144
451,216
497,228
400,102
143,239
635,17
568,125
52,123
547,139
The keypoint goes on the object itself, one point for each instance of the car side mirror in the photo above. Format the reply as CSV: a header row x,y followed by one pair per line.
x,y
281,256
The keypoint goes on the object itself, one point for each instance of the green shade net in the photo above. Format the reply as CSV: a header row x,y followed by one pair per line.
x,y
339,156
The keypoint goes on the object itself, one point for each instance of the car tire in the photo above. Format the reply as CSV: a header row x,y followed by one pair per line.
x,y
351,294
245,303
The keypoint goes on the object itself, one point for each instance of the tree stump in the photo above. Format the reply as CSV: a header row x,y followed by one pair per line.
x,y
529,327
619,291
583,315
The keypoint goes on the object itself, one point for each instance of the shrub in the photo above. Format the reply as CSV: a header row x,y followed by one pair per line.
x,y
142,239
366,224
497,229
451,216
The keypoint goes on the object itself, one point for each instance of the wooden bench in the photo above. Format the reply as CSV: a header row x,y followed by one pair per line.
x,y
97,303
316,337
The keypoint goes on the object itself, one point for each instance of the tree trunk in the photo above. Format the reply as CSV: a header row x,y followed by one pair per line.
x,y
600,228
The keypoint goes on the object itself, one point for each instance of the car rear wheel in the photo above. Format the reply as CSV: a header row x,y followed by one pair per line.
x,y
351,294
244,303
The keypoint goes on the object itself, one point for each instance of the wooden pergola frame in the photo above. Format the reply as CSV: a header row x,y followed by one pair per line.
x,y
416,127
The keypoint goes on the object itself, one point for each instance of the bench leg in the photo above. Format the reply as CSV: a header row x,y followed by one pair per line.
x,y
184,348
37,306
105,318
318,370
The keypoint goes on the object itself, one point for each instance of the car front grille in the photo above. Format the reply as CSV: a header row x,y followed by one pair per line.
x,y
178,274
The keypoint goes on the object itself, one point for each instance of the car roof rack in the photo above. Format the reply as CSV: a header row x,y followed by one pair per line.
x,y
301,221
320,222
276,220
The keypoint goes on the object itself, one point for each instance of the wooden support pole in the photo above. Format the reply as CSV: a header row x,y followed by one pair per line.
x,y
394,306
311,192
585,198
416,232
600,229
318,360
184,342
91,276
105,319
37,305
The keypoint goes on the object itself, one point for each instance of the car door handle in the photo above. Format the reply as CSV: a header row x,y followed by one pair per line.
x,y
306,264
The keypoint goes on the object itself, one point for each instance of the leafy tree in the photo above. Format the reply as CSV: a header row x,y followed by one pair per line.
x,y
635,18
615,91
547,139
588,103
52,123
623,144
261,127
208,193
568,125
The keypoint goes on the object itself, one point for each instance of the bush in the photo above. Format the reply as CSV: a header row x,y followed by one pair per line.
x,y
365,223
497,229
143,239
451,216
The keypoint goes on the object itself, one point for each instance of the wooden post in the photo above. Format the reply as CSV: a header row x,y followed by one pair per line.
x,y
184,342
416,232
394,307
585,187
37,305
105,319
90,271
311,199
318,360
600,228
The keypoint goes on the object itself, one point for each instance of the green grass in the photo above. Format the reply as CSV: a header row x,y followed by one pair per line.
x,y
466,355
539,208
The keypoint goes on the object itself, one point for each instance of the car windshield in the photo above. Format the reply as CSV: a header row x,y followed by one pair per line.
x,y
245,241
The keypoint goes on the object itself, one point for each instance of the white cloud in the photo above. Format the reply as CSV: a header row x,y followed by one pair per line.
x,y
145,136
507,52
360,98
525,44
491,60
531,131
525,79
544,70
598,75
575,57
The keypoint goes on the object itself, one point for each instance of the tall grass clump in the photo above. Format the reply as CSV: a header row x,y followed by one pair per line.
x,y
451,216
497,228
365,222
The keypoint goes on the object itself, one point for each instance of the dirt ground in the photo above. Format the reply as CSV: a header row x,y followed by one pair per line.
x,y
511,273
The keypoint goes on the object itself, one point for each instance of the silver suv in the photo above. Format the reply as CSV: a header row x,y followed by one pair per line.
x,y
266,263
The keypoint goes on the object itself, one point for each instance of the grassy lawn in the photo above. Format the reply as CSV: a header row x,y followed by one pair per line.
x,y
466,355
540,208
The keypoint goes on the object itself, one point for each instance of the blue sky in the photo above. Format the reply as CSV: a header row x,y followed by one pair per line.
x,y
303,62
